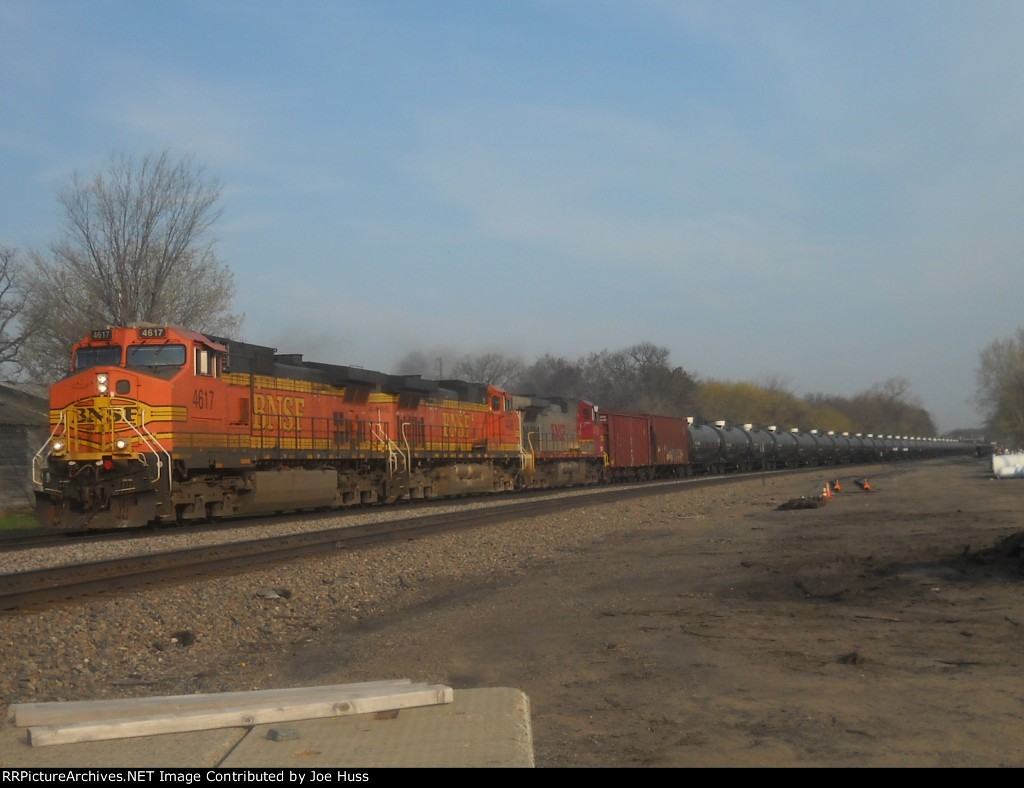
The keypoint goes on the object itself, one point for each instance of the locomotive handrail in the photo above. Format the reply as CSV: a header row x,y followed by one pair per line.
x,y
528,459
37,467
408,448
151,442
379,432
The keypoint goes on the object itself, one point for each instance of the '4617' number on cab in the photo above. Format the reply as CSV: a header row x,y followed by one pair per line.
x,y
202,399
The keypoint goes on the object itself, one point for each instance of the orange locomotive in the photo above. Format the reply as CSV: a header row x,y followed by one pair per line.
x,y
159,423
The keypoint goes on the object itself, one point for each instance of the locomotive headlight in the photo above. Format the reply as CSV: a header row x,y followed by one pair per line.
x,y
57,447
102,382
121,444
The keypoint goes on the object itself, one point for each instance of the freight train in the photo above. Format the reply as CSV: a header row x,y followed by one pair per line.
x,y
157,423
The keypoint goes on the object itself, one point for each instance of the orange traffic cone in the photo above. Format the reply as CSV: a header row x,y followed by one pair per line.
x,y
867,487
827,492
836,487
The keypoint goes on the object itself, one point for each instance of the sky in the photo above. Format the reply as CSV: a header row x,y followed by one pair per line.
x,y
823,193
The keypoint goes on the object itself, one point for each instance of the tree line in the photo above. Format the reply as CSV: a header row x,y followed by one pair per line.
x,y
641,378
136,245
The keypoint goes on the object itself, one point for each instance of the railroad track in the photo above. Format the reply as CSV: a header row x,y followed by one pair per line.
x,y
28,589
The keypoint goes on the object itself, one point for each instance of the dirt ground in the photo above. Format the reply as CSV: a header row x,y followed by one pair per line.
x,y
884,629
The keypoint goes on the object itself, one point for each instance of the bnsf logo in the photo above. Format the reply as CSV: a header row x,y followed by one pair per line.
x,y
98,417
457,425
277,412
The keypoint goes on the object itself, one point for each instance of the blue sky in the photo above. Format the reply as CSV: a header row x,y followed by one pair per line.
x,y
827,193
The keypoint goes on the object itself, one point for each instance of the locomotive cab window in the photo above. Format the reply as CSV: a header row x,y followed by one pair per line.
x,y
206,363
156,355
106,356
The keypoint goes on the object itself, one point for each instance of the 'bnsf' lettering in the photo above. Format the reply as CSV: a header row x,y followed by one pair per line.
x,y
97,417
277,412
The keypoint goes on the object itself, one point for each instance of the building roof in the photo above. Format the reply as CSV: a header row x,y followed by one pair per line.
x,y
22,407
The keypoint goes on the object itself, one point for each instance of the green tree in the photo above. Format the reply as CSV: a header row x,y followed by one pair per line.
x,y
764,405
136,247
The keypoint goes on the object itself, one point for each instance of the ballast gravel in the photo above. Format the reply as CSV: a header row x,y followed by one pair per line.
x,y
221,634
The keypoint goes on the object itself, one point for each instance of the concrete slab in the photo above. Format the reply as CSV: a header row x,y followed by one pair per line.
x,y
176,750
480,728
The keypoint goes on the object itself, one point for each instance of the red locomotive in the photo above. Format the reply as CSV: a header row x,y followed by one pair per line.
x,y
163,424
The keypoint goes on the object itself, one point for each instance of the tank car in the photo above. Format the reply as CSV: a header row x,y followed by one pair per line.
x,y
826,452
762,447
786,448
706,449
843,451
806,447
736,447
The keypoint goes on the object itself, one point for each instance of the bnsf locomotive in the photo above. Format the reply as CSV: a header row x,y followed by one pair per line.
x,y
163,424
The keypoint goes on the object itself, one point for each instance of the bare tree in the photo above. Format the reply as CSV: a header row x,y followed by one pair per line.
x,y
553,376
14,327
136,247
495,369
1000,392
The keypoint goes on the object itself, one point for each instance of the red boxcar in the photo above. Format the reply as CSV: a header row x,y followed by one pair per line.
x,y
671,445
629,445
640,446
